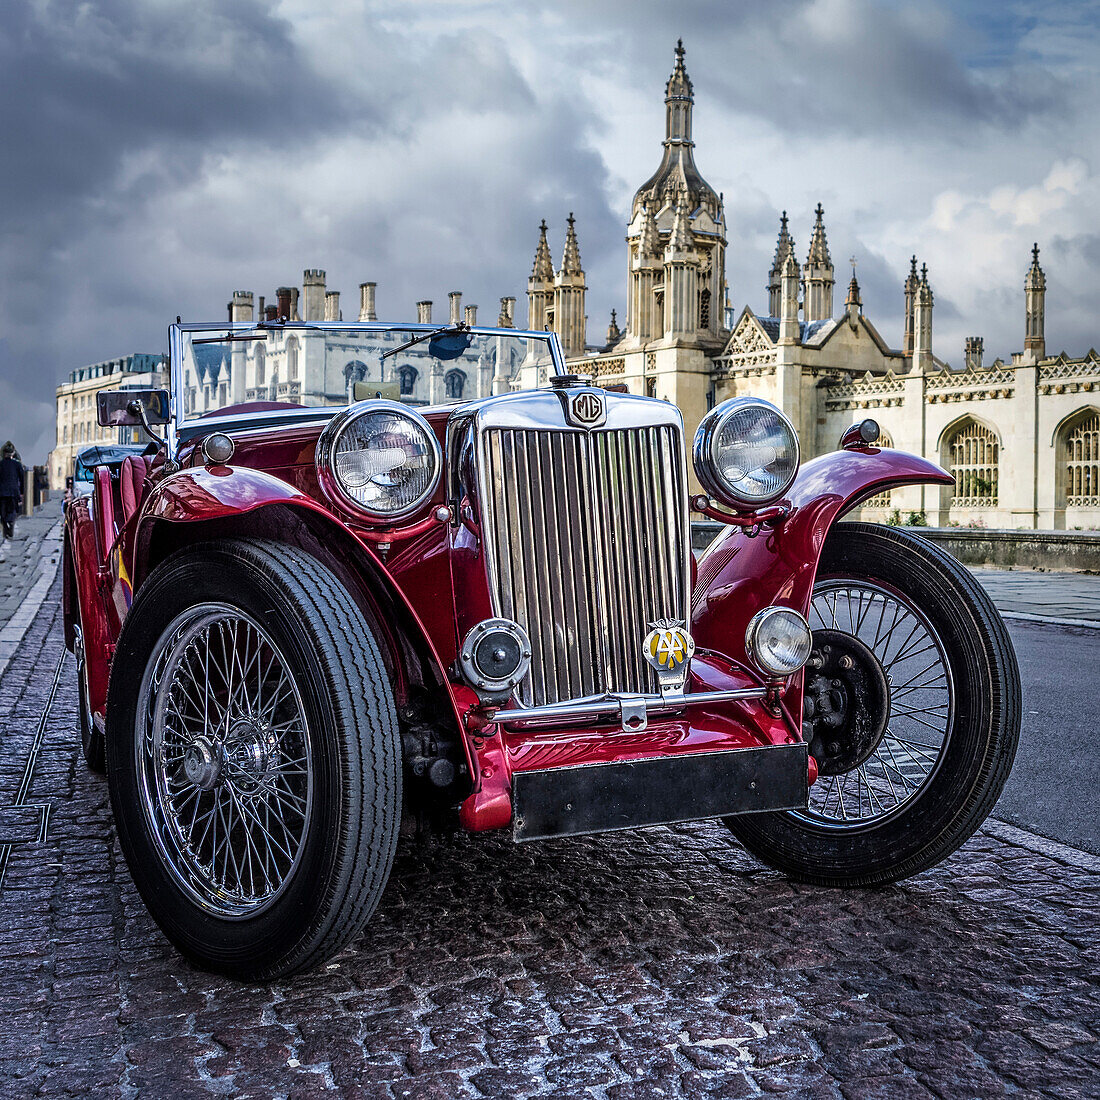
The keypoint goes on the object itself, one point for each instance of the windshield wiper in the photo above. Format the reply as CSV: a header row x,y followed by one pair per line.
x,y
228,336
447,330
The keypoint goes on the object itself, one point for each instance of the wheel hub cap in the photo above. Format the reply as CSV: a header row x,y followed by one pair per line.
x,y
250,752
846,702
202,765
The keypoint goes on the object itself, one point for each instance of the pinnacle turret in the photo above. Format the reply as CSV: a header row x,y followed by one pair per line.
x,y
679,83
649,242
819,246
679,240
571,257
1035,293
544,265
784,247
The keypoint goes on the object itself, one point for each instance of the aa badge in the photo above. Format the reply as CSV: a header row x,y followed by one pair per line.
x,y
668,648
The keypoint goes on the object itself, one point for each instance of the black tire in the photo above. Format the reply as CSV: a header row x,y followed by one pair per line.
x,y
345,855
980,737
91,740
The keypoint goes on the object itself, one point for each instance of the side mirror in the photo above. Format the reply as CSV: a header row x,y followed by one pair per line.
x,y
134,408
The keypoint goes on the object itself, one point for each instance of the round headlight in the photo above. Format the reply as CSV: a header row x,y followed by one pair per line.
x,y
778,639
746,452
380,458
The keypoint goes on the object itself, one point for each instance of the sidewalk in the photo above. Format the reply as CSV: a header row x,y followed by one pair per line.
x,y
28,564
1067,597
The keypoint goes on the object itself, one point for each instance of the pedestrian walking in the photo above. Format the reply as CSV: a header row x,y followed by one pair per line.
x,y
11,487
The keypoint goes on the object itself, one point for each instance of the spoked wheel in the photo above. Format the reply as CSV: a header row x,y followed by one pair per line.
x,y
911,709
253,757
91,740
225,763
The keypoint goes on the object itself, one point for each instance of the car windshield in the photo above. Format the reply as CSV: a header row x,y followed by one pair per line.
x,y
215,370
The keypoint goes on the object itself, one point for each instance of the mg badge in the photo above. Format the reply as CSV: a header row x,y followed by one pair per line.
x,y
586,409
668,648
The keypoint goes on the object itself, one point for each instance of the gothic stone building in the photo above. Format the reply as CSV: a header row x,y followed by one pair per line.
x,y
318,368
1022,438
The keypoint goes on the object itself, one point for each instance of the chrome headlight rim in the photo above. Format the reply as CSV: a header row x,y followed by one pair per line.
x,y
705,456
753,648
329,441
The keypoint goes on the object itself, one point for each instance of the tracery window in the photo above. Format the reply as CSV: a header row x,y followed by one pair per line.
x,y
454,383
974,456
261,364
292,358
704,308
407,378
1082,463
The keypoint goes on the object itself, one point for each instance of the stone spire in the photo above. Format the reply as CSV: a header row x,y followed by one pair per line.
x,y
679,100
649,243
569,293
852,304
571,257
784,247
614,335
679,240
911,283
540,286
1035,292
544,266
922,325
817,273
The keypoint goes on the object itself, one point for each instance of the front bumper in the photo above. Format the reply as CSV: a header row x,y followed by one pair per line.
x,y
600,798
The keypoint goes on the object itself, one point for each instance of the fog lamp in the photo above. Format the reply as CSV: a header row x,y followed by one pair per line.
x,y
218,449
495,657
778,639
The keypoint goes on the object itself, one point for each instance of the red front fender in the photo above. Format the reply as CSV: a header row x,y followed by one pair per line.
x,y
739,575
197,496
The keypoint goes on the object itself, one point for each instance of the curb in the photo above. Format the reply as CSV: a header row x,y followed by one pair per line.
x,y
1040,845
1089,624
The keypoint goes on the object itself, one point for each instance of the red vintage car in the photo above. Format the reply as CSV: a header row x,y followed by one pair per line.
x,y
319,616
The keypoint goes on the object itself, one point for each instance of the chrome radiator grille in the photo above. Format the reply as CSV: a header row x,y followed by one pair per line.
x,y
586,542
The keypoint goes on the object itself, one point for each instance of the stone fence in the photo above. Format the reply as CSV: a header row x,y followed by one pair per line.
x,y
1055,550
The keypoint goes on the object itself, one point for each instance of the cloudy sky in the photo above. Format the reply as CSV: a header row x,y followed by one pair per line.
x,y
158,154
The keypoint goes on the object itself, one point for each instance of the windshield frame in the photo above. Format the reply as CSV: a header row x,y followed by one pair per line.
x,y
180,423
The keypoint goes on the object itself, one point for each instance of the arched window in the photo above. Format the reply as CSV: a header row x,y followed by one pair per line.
x,y
704,308
292,358
1081,469
973,455
454,383
407,377
261,364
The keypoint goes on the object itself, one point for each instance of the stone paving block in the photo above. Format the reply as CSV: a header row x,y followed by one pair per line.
x,y
663,963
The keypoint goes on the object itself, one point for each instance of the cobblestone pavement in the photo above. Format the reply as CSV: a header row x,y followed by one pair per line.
x,y
658,963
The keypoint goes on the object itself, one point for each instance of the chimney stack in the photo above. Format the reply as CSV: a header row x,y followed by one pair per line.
x,y
332,305
294,314
972,352
240,309
313,294
455,298
283,296
271,313
424,312
507,313
366,302
471,316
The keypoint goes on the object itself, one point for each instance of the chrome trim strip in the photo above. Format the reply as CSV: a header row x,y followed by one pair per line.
x,y
616,704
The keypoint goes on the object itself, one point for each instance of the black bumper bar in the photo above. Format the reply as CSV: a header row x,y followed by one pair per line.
x,y
599,798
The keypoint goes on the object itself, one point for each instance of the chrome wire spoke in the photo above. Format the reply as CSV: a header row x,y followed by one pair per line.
x,y
225,762
921,700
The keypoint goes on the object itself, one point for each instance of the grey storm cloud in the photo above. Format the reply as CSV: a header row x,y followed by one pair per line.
x,y
159,155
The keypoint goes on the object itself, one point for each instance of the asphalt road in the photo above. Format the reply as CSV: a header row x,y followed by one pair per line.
x,y
1052,788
